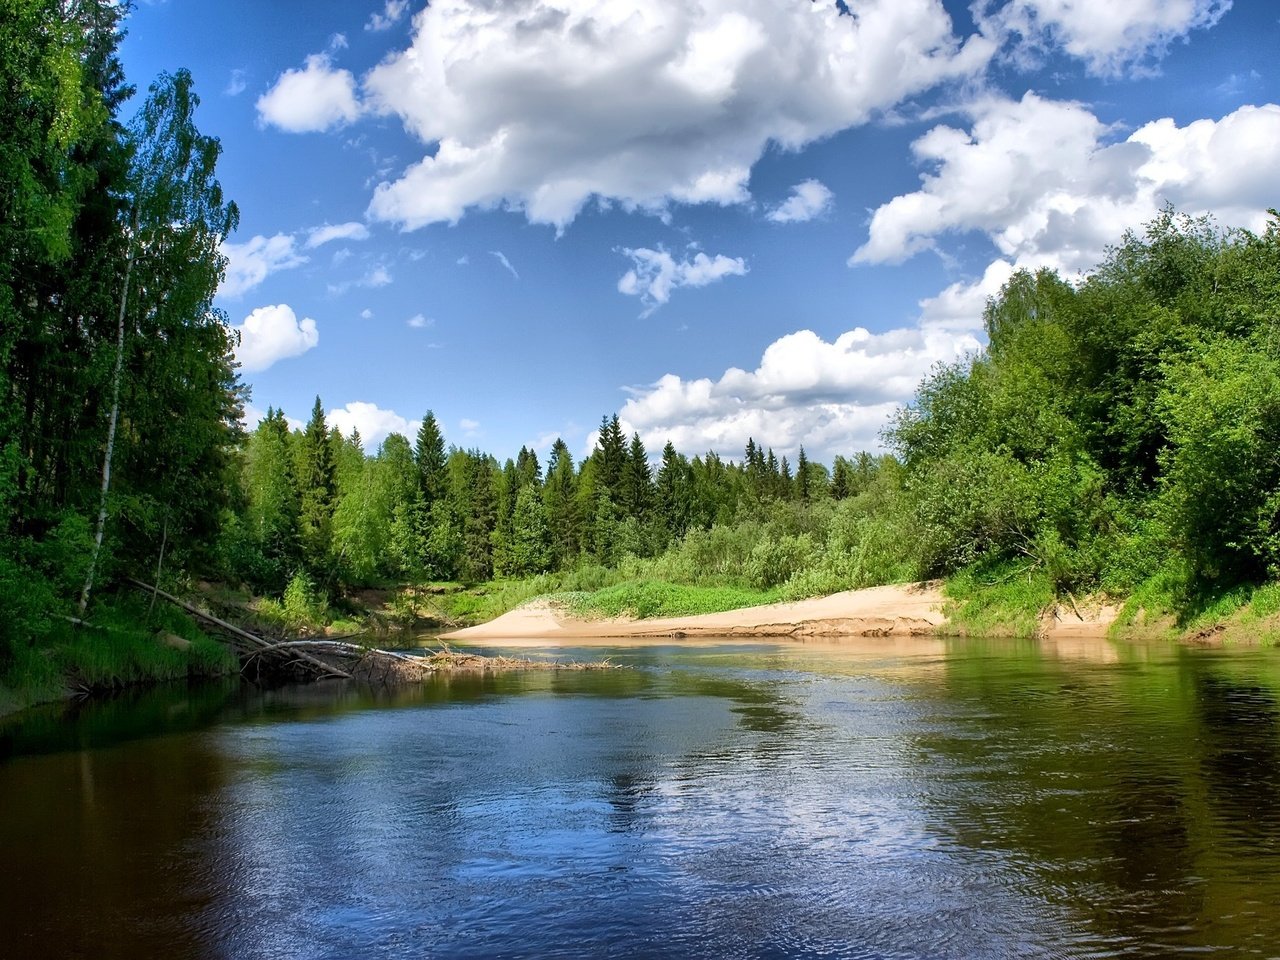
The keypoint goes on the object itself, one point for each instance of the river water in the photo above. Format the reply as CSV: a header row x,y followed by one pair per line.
x,y
862,799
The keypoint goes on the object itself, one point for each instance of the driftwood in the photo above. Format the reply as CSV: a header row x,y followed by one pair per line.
x,y
320,658
248,643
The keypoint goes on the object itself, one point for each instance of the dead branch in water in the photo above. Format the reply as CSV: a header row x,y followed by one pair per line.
x,y
336,657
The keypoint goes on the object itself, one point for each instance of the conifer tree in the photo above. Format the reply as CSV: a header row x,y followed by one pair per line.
x,y
559,497
429,455
317,487
636,495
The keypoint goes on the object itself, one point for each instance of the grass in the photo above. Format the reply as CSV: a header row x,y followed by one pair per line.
x,y
646,599
123,647
1004,601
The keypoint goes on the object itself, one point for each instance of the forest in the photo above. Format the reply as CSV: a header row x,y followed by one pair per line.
x,y
1118,434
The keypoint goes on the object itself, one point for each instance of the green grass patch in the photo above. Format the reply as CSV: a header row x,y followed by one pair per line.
x,y
122,647
651,598
1000,601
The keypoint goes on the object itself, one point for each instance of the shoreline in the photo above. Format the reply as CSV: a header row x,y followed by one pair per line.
x,y
897,610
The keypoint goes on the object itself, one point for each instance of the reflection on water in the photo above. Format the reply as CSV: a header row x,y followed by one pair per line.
x,y
864,799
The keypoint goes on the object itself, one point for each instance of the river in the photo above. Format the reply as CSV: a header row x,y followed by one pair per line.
x,y
873,798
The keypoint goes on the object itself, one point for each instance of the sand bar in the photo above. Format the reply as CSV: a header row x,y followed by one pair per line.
x,y
898,610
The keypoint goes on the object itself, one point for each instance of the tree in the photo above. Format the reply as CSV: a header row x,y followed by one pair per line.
x,y
636,493
802,476
530,550
317,487
176,219
674,491
429,455
272,509
560,501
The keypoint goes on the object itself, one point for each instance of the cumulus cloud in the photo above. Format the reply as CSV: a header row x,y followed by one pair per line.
x,y
251,262
273,333
832,397
656,274
541,106
959,307
374,423
1109,36
420,321
312,99
1043,180
336,231
237,84
808,200
389,16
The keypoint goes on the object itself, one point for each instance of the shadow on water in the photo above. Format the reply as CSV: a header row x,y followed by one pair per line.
x,y
1145,794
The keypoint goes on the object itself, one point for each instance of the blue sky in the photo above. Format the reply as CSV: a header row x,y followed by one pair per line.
x,y
720,219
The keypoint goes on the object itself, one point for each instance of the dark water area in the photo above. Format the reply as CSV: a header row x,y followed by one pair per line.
x,y
896,799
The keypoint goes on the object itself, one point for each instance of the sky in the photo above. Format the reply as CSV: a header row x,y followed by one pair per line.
x,y
720,220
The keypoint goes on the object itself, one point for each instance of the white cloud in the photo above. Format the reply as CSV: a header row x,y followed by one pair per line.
x,y
469,427
389,16
541,106
273,333
1110,36
379,276
249,263
374,277
312,99
463,260
656,274
808,200
1041,179
420,321
336,231
366,314
502,259
374,423
236,84
959,307
831,397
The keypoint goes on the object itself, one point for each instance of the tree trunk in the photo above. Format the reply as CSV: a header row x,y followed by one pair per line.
x,y
111,440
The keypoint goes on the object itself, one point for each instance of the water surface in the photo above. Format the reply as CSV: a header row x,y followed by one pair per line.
x,y
867,799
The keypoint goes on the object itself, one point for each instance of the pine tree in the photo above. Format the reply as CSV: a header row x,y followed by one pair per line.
x,y
430,457
528,468
802,476
559,497
636,495
674,491
317,487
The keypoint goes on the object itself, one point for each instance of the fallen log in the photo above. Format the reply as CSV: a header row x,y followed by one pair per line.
x,y
335,657
255,643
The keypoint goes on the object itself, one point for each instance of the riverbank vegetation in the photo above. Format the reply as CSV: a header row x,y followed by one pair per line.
x,y
1117,436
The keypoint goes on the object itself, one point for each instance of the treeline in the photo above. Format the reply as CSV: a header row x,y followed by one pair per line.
x,y
1121,433
315,502
119,404
1118,434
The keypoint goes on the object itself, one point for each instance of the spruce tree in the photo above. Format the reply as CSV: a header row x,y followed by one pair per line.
x,y
429,455
317,486
559,497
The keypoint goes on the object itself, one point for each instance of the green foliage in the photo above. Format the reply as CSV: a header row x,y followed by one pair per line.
x,y
1221,474
646,599
1005,599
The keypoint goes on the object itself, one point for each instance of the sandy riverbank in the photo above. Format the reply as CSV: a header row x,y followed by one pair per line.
x,y
899,610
